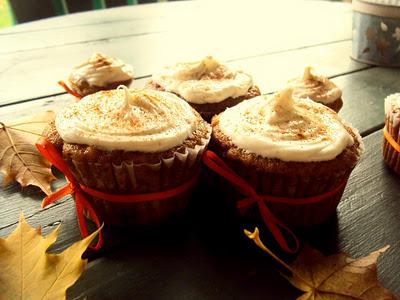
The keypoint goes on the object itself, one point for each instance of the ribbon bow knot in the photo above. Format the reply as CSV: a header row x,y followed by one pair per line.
x,y
78,191
275,226
48,150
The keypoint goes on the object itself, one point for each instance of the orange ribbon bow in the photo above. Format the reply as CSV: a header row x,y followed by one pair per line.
x,y
48,150
275,226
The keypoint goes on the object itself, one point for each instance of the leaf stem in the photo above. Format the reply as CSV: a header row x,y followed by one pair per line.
x,y
255,236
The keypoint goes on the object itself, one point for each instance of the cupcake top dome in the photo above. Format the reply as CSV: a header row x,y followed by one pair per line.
x,y
128,119
101,70
315,86
392,102
203,81
285,128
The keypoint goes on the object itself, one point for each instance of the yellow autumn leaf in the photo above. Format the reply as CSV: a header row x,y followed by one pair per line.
x,y
335,277
28,272
19,158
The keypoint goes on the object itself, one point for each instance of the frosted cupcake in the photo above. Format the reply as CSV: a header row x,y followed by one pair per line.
x,y
391,132
207,85
287,147
98,73
318,88
132,142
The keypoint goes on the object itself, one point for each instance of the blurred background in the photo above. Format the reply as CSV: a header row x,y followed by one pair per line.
x,y
19,11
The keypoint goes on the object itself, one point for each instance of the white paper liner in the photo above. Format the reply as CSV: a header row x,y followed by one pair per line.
x,y
130,178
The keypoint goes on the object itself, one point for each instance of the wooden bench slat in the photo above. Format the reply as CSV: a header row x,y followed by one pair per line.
x,y
268,70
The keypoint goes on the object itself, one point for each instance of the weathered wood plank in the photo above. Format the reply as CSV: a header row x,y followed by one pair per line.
x,y
368,217
209,261
72,35
112,15
48,219
363,96
147,53
363,93
172,20
14,199
173,9
192,260
269,73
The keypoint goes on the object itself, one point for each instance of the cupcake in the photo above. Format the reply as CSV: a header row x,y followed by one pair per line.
x,y
288,147
391,132
318,88
131,142
207,85
99,73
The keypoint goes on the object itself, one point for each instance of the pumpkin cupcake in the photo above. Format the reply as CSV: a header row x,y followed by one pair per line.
x,y
131,142
392,132
318,88
207,85
288,147
99,73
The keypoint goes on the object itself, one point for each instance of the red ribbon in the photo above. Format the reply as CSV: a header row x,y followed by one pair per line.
x,y
390,139
48,150
68,90
275,226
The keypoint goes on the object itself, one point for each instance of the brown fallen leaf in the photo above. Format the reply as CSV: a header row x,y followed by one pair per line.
x,y
19,158
335,277
28,272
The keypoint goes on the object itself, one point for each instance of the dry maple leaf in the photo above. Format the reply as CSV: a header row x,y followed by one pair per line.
x,y
19,158
335,277
28,272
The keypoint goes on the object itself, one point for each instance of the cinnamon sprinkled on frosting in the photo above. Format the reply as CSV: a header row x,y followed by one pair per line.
x,y
128,119
101,70
315,86
286,128
204,81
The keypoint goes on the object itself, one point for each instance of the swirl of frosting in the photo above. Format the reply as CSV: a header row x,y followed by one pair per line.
x,y
392,102
316,87
101,70
204,81
128,119
288,129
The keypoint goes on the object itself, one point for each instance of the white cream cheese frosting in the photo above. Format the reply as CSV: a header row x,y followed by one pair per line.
x,y
128,119
101,70
392,102
315,86
203,81
285,128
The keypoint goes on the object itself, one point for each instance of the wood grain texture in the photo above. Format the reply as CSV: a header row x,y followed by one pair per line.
x,y
173,9
149,52
205,255
363,96
370,215
210,259
363,92
269,73
79,34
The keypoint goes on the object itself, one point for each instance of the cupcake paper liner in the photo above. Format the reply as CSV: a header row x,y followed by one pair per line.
x,y
293,215
390,155
292,185
130,178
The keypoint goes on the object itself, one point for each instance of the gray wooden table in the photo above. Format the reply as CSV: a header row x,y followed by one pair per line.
x,y
188,259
